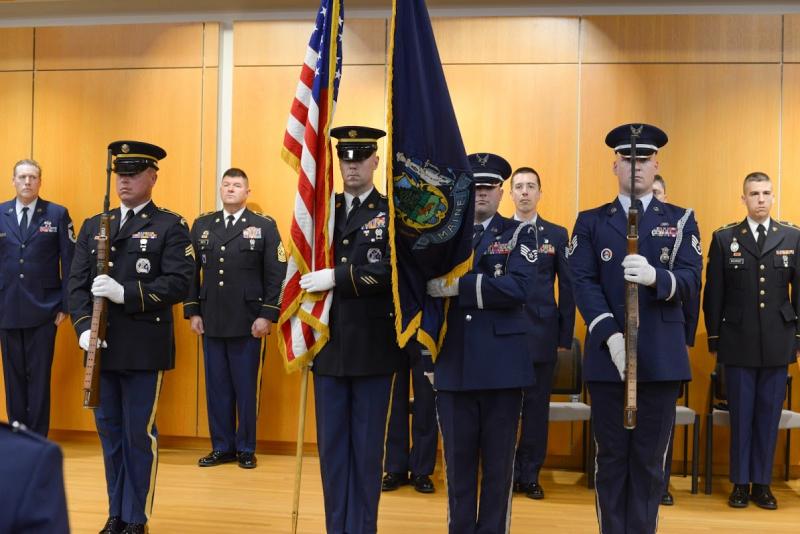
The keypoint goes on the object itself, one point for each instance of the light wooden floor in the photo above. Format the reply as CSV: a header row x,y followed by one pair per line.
x,y
228,499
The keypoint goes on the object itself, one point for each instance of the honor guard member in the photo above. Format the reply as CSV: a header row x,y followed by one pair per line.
x,y
485,360
691,314
551,326
629,464
234,300
151,265
36,245
751,308
420,459
354,371
31,482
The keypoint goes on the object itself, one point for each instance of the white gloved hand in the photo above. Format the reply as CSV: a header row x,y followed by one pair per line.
x,y
105,286
429,376
321,280
438,288
616,346
83,341
638,270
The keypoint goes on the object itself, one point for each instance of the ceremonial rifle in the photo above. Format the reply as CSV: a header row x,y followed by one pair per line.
x,y
91,377
632,298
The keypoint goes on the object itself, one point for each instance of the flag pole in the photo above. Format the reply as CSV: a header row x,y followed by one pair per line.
x,y
298,463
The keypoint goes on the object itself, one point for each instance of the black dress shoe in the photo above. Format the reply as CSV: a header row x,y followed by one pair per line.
x,y
667,499
763,497
216,458
422,483
534,491
114,525
739,497
392,481
247,460
135,528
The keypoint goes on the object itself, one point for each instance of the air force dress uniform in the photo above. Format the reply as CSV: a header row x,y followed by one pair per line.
x,y
238,278
751,304
31,483
152,257
629,464
551,325
34,268
484,363
354,371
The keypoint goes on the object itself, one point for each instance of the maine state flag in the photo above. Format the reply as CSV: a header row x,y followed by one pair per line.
x,y
430,182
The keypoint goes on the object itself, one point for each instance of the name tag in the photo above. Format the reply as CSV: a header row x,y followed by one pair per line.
x,y
735,261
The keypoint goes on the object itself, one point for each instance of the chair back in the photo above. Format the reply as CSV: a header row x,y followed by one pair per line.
x,y
718,388
568,373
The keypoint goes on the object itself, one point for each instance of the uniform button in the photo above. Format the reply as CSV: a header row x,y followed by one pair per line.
x,y
345,241
222,247
761,267
221,271
391,314
113,249
344,260
761,305
21,260
762,279
158,319
221,283
23,246
222,260
468,318
21,275
762,291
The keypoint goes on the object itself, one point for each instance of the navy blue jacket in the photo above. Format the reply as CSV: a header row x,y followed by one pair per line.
x,y
487,341
34,268
31,484
552,324
597,249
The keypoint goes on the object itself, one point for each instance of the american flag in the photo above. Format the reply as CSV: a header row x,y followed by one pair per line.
x,y
303,323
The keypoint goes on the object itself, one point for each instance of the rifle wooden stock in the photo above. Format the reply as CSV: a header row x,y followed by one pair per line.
x,y
91,377
631,325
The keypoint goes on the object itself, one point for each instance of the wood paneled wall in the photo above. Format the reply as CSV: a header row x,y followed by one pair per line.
x,y
541,91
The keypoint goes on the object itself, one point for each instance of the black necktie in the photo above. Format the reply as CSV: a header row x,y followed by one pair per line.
x,y
638,205
23,223
762,236
477,233
128,217
228,224
353,207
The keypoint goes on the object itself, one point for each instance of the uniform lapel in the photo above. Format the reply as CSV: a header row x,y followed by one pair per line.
x,y
746,239
10,217
339,213
492,231
364,213
775,235
617,217
137,222
653,216
35,220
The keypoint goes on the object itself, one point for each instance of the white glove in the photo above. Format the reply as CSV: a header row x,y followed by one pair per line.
x,y
438,288
83,341
429,376
321,280
638,270
616,346
105,286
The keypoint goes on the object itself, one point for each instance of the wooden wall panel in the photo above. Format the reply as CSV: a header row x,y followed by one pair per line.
x,y
285,42
211,44
682,38
507,40
791,38
119,46
16,49
66,103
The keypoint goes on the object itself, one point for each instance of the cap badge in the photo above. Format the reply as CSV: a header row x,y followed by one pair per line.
x,y
482,160
352,134
125,148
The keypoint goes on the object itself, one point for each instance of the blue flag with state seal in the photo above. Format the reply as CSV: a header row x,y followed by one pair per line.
x,y
431,200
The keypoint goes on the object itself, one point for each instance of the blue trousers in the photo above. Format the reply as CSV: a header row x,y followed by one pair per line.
x,y
126,423
479,429
422,457
27,361
629,464
351,430
755,400
532,448
233,381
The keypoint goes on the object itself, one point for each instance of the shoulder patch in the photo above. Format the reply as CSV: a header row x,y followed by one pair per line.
x,y
729,225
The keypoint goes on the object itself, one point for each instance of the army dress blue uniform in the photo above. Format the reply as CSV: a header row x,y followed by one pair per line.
x,y
152,257
34,267
31,483
629,464
751,304
354,371
552,325
480,372
238,277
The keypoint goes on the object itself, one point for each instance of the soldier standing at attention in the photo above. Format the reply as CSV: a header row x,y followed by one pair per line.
x,y
751,304
151,265
629,464
354,371
485,360
551,327
37,241
233,302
